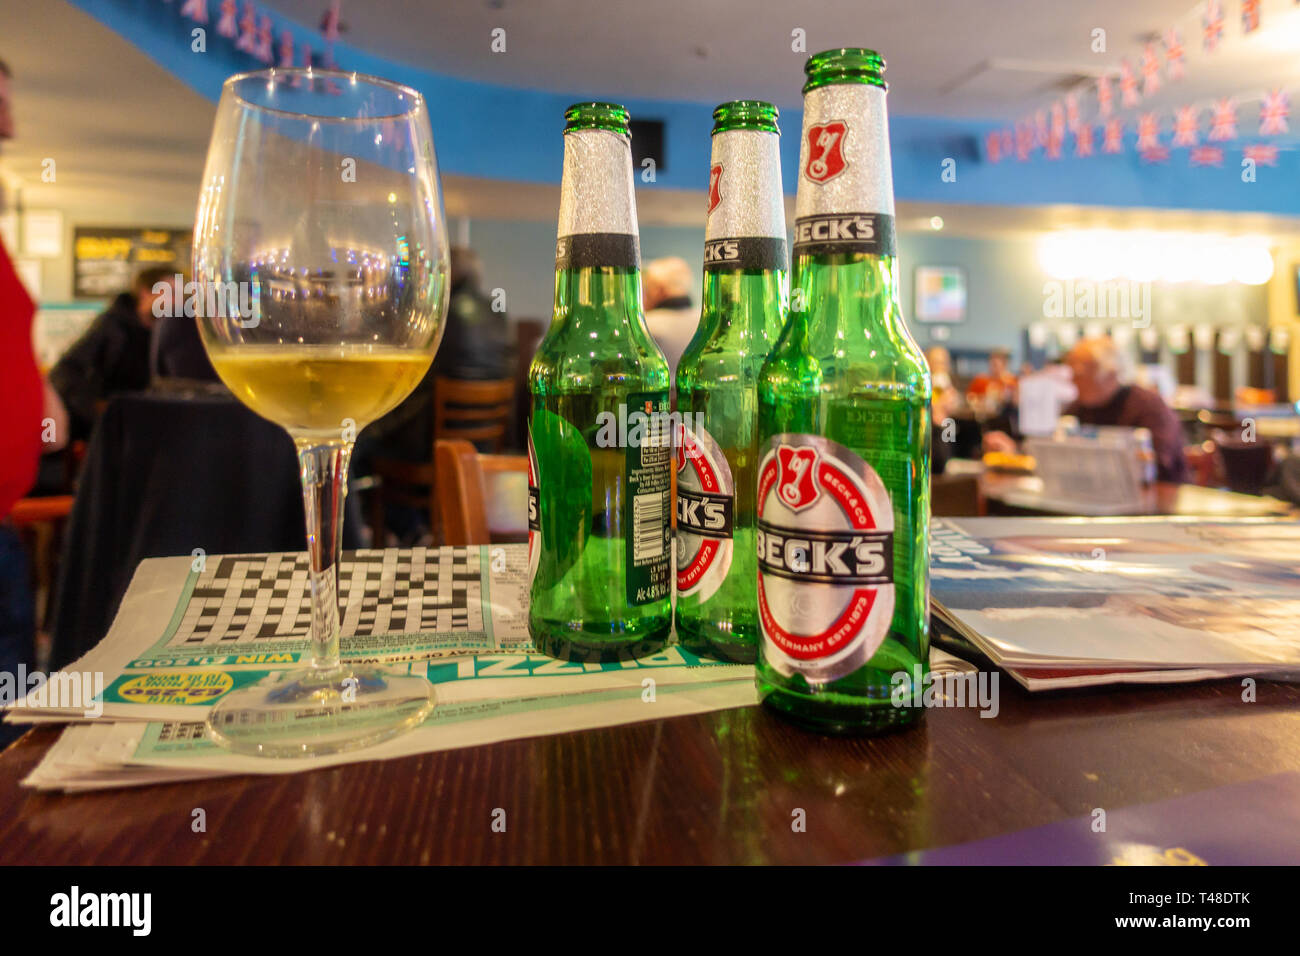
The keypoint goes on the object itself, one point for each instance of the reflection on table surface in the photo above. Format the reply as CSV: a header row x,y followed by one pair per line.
x,y
1008,493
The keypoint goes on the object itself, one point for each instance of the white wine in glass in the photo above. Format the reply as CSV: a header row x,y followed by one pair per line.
x,y
320,252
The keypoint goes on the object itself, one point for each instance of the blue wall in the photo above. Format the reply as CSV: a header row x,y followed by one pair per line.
x,y
513,134
1005,281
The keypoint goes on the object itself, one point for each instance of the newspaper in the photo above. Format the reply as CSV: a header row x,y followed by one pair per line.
x,y
1073,601
105,754
190,631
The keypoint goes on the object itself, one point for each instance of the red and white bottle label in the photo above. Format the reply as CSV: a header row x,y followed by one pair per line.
x,y
825,542
534,511
706,497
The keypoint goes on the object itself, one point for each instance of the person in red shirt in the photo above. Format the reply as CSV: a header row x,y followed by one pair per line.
x,y
991,391
27,405
21,391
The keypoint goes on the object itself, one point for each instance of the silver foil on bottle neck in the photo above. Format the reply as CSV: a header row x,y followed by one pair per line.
x,y
865,182
750,200
596,191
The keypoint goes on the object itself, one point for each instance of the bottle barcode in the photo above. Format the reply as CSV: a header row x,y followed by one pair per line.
x,y
649,512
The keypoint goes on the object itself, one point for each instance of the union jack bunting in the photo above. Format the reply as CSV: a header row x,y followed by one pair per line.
x,y
1223,125
1212,22
1273,112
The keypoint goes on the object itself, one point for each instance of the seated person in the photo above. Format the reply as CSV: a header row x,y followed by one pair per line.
x,y
476,346
112,356
670,316
943,402
1094,366
991,391
176,350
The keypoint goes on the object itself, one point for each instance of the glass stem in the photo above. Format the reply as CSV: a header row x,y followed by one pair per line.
x,y
324,471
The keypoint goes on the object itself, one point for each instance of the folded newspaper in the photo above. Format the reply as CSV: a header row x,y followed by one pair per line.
x,y
189,631
1068,602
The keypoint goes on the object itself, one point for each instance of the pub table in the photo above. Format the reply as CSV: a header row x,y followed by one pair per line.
x,y
1018,494
721,787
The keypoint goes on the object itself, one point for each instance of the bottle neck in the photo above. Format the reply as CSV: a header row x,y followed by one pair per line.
x,y
844,254
597,253
739,305
594,297
746,200
745,255
596,195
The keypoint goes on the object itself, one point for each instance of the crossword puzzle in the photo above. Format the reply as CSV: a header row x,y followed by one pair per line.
x,y
267,596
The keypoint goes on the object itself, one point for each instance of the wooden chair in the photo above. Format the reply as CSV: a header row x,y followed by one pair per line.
x,y
1203,463
473,411
482,499
410,484
955,496
463,411
40,523
1246,465
528,336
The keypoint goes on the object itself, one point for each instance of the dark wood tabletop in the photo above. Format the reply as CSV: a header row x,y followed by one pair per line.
x,y
1010,494
715,788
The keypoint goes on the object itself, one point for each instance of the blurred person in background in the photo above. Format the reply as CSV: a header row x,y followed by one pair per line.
x,y
991,391
30,412
1094,366
176,349
669,313
476,346
944,403
112,355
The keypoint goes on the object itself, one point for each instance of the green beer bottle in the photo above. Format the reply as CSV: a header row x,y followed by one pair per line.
x,y
600,446
745,301
843,497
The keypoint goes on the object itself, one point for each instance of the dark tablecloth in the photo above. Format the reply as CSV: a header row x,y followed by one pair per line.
x,y
164,475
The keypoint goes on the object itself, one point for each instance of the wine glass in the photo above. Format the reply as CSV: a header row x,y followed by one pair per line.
x,y
320,263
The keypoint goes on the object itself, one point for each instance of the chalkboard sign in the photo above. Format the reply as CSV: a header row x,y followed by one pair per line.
x,y
106,260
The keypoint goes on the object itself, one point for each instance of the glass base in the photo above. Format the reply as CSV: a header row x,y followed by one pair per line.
x,y
313,712
835,719
577,648
714,643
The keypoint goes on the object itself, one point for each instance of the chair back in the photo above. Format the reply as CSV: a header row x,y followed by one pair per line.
x,y
1246,465
472,411
955,496
528,336
482,499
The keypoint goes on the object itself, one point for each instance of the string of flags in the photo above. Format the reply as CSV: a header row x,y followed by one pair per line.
x,y
1061,128
252,31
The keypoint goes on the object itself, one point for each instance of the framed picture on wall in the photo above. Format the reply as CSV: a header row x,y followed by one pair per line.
x,y
940,294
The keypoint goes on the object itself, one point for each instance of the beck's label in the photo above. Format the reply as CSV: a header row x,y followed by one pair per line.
x,y
597,249
647,516
869,232
825,543
706,501
826,151
534,511
759,253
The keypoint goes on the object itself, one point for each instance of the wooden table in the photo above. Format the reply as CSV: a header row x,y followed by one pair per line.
x,y
1011,494
715,788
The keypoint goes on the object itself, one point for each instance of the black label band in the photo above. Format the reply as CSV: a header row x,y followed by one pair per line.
x,y
707,515
758,253
861,558
597,249
534,508
869,232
